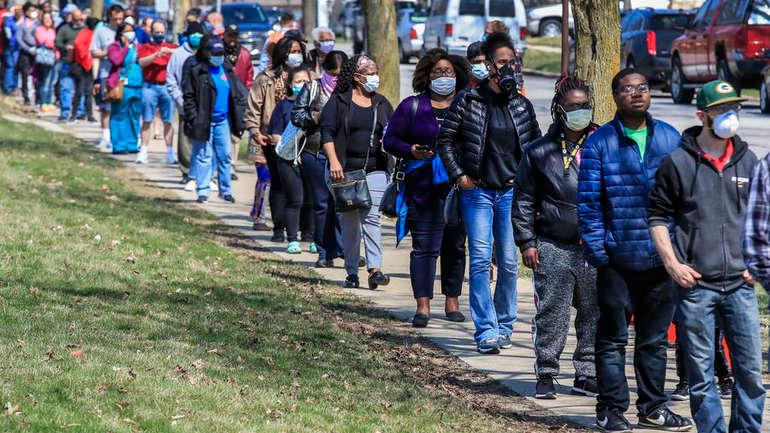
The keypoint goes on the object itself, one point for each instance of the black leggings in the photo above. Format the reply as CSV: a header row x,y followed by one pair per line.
x,y
291,183
277,198
26,61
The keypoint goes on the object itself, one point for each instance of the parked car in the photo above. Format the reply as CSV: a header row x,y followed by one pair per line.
x,y
455,24
546,20
646,36
729,40
411,26
764,91
252,22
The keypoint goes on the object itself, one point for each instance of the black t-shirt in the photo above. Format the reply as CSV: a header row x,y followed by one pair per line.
x,y
440,113
360,126
501,153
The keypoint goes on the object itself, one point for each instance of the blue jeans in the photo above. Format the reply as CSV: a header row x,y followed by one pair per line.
x,y
45,84
156,97
217,146
737,314
487,216
10,76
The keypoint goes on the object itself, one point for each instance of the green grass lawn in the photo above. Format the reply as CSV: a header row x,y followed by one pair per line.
x,y
542,61
122,311
545,41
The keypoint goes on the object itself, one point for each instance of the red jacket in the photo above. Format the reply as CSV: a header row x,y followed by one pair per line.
x,y
244,69
81,51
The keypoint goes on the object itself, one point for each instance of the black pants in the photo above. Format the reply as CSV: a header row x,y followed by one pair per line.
x,y
650,296
26,61
84,82
277,197
291,184
430,238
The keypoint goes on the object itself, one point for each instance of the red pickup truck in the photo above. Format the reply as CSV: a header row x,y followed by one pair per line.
x,y
729,40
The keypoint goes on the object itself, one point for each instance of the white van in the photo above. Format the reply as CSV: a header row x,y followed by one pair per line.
x,y
455,24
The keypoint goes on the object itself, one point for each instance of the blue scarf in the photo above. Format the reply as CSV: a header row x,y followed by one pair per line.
x,y
440,176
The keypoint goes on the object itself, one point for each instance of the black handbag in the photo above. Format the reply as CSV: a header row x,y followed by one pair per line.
x,y
390,196
452,215
352,192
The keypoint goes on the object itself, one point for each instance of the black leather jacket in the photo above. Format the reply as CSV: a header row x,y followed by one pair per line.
x,y
305,114
463,133
546,200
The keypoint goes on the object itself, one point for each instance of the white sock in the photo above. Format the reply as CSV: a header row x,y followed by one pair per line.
x,y
106,135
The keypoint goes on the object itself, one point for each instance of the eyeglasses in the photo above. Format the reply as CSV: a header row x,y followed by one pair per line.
x,y
631,90
443,72
724,108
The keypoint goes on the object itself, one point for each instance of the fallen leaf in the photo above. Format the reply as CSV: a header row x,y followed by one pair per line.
x,y
33,290
122,405
101,388
78,353
11,409
198,363
131,258
49,355
214,351
176,417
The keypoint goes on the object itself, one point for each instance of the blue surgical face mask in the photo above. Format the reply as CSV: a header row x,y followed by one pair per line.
x,y
372,83
326,46
130,36
296,88
443,85
217,60
195,40
294,60
479,71
483,37
158,39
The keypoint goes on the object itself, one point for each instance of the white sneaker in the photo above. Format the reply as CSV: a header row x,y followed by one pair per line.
x,y
141,157
190,186
213,186
170,157
105,146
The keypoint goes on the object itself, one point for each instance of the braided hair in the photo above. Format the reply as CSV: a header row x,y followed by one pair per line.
x,y
346,79
564,85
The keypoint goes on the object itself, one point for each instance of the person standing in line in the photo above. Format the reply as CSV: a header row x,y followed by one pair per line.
x,y
65,43
323,41
721,366
545,225
81,70
352,125
240,58
214,106
703,187
27,47
144,30
174,74
480,143
45,59
11,50
306,114
269,89
126,114
289,171
154,58
285,23
617,173
479,70
104,35
411,136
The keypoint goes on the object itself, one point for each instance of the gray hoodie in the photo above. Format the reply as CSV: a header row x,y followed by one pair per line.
x,y
26,36
174,73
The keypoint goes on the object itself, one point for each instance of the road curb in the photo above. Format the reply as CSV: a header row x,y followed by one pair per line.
x,y
537,73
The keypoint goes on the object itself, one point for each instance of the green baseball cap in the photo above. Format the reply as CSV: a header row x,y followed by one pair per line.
x,y
715,93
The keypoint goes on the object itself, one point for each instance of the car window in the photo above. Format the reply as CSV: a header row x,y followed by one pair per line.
x,y
439,7
732,12
471,7
705,14
502,8
244,14
670,22
759,13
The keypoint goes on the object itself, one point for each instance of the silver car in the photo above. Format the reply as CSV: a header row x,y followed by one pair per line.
x,y
411,26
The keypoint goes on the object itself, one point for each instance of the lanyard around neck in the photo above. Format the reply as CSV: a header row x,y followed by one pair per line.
x,y
568,157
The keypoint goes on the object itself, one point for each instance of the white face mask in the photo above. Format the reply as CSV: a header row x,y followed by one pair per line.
x,y
372,83
726,125
294,60
578,120
33,15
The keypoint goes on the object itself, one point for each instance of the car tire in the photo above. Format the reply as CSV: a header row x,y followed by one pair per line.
x,y
764,97
550,27
679,93
724,74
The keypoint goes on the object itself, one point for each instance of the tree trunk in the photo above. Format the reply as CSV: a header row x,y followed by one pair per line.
x,y
309,16
382,45
180,11
97,9
627,5
597,51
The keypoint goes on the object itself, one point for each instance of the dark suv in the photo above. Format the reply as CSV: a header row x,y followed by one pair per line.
x,y
252,23
646,37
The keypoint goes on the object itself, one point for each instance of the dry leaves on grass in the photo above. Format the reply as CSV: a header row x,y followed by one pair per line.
x,y
11,409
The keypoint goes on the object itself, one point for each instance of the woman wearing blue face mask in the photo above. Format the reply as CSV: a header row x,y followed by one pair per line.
x,y
288,171
411,136
323,39
126,114
214,106
352,125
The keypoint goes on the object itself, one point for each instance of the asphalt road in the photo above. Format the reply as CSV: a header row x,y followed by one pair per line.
x,y
755,126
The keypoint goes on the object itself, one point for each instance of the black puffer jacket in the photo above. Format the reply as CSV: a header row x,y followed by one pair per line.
x,y
546,199
708,209
199,93
463,134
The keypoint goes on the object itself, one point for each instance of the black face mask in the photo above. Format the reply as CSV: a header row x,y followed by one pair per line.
x,y
506,78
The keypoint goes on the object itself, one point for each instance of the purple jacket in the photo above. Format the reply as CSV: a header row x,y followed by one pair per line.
x,y
402,132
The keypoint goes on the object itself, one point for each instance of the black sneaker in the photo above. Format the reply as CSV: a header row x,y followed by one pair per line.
x,y
202,199
545,389
663,419
681,392
585,385
726,388
351,282
361,262
91,119
377,279
612,421
278,237
260,227
504,341
420,320
228,198
185,179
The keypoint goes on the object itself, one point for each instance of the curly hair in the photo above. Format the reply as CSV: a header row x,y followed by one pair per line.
x,y
495,41
346,79
421,78
281,52
563,86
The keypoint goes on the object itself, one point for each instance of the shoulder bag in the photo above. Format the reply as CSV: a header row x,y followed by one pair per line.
x,y
352,193
388,206
45,56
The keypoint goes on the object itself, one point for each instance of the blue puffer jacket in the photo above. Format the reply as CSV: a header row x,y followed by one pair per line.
x,y
613,190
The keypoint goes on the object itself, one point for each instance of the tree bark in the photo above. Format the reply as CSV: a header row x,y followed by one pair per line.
x,y
97,9
597,50
382,45
309,15
180,11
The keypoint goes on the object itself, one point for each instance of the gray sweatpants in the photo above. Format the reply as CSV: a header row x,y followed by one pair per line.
x,y
366,221
564,279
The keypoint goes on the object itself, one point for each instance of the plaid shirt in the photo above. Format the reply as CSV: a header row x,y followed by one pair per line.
x,y
756,233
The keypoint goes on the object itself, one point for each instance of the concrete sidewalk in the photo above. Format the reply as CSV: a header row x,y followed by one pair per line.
x,y
513,367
